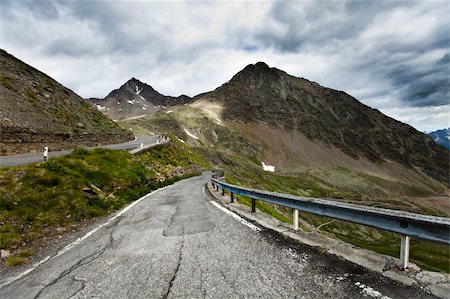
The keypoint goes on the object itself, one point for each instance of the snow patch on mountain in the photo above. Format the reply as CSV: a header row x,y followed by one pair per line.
x,y
181,140
269,168
190,134
441,137
101,108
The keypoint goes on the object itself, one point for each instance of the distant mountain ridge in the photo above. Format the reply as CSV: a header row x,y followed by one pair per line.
x,y
441,137
260,94
135,98
37,111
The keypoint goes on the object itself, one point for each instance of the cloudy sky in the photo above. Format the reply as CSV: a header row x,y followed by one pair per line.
x,y
391,55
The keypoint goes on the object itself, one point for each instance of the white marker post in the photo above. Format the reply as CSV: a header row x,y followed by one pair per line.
x,y
142,145
295,219
45,153
404,252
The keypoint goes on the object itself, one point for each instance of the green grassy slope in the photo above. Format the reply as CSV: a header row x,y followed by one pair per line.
x,y
44,200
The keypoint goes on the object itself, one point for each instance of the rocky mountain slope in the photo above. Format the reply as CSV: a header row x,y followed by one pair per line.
x,y
134,99
260,98
314,138
37,111
441,137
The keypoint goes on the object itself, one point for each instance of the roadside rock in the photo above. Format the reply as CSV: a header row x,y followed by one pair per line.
x,y
5,253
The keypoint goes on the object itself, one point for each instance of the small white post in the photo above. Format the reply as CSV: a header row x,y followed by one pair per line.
x,y
142,145
404,252
45,153
157,141
295,219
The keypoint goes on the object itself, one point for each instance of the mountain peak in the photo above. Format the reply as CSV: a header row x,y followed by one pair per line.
x,y
261,65
260,94
257,72
134,80
258,67
136,98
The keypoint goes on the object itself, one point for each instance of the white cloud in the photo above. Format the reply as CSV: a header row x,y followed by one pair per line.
x,y
424,119
388,54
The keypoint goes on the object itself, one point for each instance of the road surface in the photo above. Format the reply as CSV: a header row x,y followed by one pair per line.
x,y
7,161
178,243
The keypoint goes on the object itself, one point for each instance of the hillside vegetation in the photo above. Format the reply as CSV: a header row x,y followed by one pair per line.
x,y
70,191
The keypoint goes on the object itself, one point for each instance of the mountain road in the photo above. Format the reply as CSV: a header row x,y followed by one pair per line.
x,y
7,161
177,242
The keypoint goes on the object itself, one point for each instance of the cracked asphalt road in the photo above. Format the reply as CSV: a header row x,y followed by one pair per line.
x,y
176,244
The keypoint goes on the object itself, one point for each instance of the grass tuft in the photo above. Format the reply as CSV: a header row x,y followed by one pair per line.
x,y
67,191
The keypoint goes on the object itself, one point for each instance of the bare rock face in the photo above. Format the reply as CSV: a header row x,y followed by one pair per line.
x,y
35,110
134,99
260,94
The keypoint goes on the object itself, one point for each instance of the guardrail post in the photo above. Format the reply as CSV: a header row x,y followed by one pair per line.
x,y
223,191
404,252
232,196
217,187
253,205
295,219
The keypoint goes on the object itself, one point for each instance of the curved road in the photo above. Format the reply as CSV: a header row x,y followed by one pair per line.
x,y
7,161
177,243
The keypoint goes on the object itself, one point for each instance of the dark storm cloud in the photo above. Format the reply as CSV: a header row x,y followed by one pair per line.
x,y
316,23
330,27
109,29
107,21
37,9
95,27
423,85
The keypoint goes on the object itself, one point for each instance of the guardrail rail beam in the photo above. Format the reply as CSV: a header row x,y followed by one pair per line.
x,y
404,223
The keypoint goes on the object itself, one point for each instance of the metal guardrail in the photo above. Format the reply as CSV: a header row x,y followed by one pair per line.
x,y
407,224
144,148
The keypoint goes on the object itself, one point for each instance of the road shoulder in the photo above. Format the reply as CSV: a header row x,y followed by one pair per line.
x,y
435,283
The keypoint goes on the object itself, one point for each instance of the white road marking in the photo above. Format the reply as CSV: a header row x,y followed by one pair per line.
x,y
77,241
235,216
232,214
